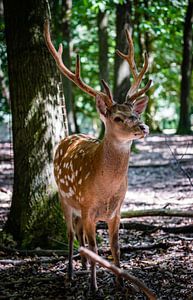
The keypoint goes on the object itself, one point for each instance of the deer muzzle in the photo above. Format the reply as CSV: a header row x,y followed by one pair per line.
x,y
144,128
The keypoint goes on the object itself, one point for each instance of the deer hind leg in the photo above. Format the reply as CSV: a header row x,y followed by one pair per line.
x,y
90,232
113,226
70,232
78,226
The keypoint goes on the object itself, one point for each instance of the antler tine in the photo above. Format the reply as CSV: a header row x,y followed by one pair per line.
x,y
139,77
138,94
57,55
129,57
77,70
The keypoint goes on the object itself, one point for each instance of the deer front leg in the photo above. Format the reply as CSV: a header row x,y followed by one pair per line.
x,y
90,232
113,226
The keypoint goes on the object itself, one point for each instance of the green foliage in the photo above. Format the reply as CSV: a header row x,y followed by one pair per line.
x,y
6,240
164,26
162,22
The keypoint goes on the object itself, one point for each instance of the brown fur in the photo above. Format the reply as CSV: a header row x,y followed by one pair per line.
x,y
92,179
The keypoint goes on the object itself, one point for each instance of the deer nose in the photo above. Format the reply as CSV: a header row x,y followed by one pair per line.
x,y
144,128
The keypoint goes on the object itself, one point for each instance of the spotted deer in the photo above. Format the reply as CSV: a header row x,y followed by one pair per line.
x,y
91,175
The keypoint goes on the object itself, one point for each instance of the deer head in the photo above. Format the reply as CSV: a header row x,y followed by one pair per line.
x,y
121,120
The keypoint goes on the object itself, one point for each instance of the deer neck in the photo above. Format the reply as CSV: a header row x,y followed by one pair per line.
x,y
114,157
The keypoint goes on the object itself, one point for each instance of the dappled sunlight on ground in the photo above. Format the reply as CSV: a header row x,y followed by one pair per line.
x,y
160,174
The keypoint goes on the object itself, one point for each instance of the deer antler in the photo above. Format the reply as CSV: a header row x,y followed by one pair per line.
x,y
75,77
133,94
57,55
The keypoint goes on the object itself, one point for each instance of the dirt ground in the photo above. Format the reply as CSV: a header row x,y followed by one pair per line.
x,y
160,176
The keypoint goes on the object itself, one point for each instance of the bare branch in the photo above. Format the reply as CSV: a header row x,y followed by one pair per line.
x,y
117,271
178,163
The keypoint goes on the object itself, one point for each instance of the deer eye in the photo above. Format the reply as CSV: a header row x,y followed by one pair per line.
x,y
118,120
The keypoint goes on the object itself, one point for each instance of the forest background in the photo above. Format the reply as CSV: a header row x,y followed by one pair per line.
x,y
43,103
94,29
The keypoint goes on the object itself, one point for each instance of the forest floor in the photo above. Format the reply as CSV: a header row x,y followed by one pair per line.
x,y
160,176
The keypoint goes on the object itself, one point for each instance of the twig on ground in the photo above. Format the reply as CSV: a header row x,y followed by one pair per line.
x,y
117,271
178,163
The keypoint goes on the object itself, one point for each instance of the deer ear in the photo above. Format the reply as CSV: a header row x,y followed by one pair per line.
x,y
140,104
101,105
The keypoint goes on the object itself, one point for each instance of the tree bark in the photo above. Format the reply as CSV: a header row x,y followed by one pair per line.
x,y
186,70
61,11
121,68
102,22
38,123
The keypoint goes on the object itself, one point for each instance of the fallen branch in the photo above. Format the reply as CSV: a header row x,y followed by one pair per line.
x,y
157,212
117,271
36,252
144,247
153,228
138,226
159,245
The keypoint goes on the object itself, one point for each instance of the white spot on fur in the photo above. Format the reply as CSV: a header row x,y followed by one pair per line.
x,y
71,192
63,193
62,181
87,175
61,152
57,155
80,181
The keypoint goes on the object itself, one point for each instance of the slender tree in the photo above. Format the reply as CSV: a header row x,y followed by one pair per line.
x,y
61,11
38,122
102,20
145,44
121,69
186,71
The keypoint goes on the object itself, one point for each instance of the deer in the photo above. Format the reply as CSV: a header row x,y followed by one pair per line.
x,y
91,175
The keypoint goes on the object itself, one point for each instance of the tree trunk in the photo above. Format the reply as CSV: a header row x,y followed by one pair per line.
x,y
38,123
186,70
61,11
145,43
121,68
102,22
